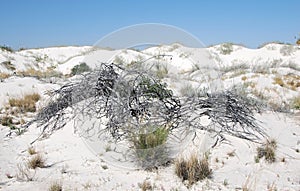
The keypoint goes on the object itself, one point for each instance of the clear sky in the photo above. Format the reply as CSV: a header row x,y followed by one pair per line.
x,y
42,23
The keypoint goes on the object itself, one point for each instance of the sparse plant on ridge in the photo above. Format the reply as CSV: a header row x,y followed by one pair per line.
x,y
79,69
6,48
226,48
287,50
8,65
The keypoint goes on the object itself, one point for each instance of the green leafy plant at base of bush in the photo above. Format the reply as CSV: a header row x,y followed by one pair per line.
x,y
155,90
150,148
79,69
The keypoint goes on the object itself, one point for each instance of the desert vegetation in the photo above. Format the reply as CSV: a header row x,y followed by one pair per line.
x,y
80,68
193,169
26,103
148,112
267,151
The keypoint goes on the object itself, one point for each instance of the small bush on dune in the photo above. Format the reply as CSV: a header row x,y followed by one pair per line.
x,y
296,103
6,121
37,161
4,75
6,48
287,50
55,186
25,104
267,150
8,65
146,185
226,48
192,169
279,81
78,69
31,151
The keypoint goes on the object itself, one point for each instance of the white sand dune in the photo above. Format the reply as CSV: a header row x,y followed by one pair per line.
x,y
72,163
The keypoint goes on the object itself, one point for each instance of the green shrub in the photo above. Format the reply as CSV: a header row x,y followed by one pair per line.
x,y
226,48
79,69
150,148
296,103
6,48
155,89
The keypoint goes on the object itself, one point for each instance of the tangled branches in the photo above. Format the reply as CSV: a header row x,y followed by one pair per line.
x,y
131,101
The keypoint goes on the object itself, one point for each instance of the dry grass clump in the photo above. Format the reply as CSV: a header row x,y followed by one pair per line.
x,y
6,120
31,151
244,78
31,72
296,102
24,173
267,150
55,186
146,185
25,104
192,169
278,80
4,75
37,161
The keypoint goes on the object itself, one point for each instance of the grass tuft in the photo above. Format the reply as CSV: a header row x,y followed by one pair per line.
x,y
267,151
55,186
25,104
37,161
146,185
192,169
31,151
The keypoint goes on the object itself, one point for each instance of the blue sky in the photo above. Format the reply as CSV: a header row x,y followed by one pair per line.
x,y
42,23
